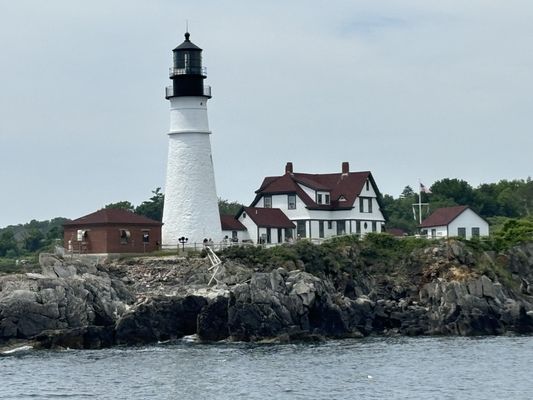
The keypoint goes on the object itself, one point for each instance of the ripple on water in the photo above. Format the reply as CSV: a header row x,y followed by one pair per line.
x,y
371,368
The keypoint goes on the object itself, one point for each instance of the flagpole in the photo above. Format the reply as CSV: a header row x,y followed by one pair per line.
x,y
421,188
419,202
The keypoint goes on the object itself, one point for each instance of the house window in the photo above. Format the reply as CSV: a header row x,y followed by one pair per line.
x,y
330,224
319,198
291,199
358,227
267,201
374,226
433,233
300,229
461,232
369,205
361,205
146,236
234,237
326,199
288,234
81,235
124,236
367,185
475,232
341,227
321,229
243,215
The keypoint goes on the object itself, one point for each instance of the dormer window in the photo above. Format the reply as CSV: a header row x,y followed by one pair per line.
x,y
342,198
267,201
322,198
291,202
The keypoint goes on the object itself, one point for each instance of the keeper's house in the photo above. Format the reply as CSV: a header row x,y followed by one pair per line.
x,y
458,221
315,206
112,231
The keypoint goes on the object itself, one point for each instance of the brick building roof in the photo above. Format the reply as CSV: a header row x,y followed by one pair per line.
x,y
109,216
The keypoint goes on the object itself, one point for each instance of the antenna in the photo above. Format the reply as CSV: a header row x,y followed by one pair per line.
x,y
186,25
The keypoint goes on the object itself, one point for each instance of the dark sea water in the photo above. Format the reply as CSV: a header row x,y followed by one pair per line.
x,y
371,368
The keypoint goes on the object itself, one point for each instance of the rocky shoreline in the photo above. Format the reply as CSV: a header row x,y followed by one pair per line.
x,y
440,290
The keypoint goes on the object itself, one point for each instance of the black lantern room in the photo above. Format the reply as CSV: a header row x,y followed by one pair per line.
x,y
187,73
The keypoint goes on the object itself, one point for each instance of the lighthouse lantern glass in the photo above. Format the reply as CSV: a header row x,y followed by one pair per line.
x,y
189,61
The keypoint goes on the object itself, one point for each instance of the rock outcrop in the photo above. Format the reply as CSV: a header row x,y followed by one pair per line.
x,y
65,296
443,291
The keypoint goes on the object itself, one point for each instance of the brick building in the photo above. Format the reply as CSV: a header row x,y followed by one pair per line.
x,y
111,231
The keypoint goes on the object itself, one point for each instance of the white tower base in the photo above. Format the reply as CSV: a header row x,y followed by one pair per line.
x,y
191,203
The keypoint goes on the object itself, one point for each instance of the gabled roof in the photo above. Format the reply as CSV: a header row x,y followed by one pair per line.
x,y
443,216
267,217
231,223
112,216
340,185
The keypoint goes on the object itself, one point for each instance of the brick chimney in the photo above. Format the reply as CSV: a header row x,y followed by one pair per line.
x,y
288,168
345,167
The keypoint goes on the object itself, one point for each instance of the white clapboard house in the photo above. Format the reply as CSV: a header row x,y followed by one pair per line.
x,y
315,206
457,221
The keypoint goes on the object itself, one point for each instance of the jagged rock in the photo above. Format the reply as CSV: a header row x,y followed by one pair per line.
x,y
213,320
64,296
437,291
159,319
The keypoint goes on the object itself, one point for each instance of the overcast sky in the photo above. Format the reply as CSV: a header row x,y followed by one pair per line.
x,y
406,89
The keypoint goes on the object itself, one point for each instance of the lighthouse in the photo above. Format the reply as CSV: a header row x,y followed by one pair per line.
x,y
191,204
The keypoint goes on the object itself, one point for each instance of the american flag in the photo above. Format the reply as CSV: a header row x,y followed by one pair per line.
x,y
424,189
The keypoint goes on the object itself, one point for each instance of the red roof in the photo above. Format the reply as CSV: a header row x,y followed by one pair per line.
x,y
113,216
339,185
268,217
231,223
442,216
396,231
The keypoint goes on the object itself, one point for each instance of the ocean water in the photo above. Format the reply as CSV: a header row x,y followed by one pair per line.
x,y
370,368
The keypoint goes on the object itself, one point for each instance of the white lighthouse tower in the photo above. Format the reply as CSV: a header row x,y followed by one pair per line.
x,y
191,204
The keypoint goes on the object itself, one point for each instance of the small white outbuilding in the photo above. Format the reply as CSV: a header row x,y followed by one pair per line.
x,y
457,221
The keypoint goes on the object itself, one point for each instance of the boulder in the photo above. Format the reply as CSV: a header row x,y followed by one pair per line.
x,y
213,320
159,319
64,296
